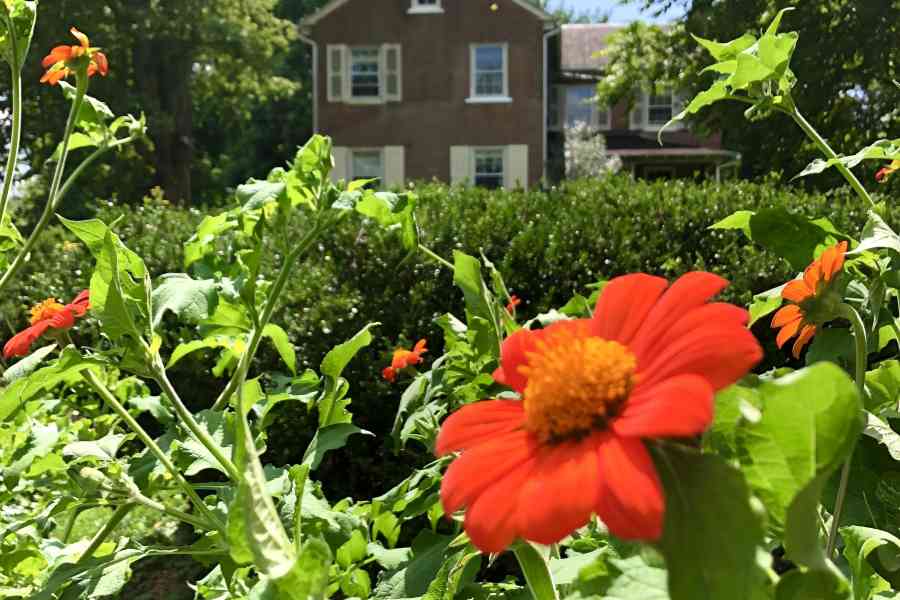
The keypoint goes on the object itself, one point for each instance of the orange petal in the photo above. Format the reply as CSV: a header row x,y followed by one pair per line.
x,y
479,422
785,315
58,54
788,331
808,332
835,261
22,341
83,39
680,406
630,501
812,275
623,305
491,521
102,64
796,291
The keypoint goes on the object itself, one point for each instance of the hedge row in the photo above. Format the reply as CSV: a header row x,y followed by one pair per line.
x,y
547,243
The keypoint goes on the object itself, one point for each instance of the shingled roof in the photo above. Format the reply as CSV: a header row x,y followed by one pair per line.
x,y
579,43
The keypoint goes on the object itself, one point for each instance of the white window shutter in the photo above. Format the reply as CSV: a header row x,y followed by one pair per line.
x,y
336,68
341,162
516,167
636,119
394,166
460,164
392,70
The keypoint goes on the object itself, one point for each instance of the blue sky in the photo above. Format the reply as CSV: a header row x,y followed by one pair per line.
x,y
620,14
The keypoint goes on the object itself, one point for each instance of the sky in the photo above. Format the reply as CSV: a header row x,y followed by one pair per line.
x,y
619,14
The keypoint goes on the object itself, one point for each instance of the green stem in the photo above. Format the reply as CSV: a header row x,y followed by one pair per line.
x,y
52,200
240,374
15,138
159,374
104,533
148,441
811,132
428,252
71,179
859,337
172,512
536,570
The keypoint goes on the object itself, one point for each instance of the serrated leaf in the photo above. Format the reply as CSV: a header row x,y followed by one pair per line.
x,y
189,299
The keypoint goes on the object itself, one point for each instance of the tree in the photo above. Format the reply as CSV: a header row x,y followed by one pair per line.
x,y
846,60
183,63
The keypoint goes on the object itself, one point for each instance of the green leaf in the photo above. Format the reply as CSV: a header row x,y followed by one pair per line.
x,y
209,230
453,574
340,356
881,150
536,569
197,457
705,98
16,31
104,449
414,578
91,578
255,194
810,422
750,69
187,298
882,433
726,51
282,344
736,220
28,364
878,234
93,112
77,140
392,210
792,237
883,385
873,558
702,493
329,438
67,368
765,304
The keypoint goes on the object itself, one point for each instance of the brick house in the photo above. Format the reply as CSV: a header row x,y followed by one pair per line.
x,y
467,90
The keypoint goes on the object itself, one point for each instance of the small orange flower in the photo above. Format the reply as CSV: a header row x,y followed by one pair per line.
x,y
811,304
60,61
882,175
404,358
49,314
514,301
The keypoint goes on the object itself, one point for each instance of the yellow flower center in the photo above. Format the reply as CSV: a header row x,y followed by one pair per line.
x,y
45,310
575,385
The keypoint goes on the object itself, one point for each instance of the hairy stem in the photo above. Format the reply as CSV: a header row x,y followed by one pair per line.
x,y
172,512
160,376
14,139
100,537
71,179
52,201
240,373
814,135
859,336
148,441
431,254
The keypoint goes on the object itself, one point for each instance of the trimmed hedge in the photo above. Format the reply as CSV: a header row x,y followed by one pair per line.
x,y
547,243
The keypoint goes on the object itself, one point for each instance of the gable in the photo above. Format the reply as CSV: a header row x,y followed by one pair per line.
x,y
336,4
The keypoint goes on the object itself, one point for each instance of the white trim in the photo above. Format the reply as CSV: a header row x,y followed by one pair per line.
x,y
330,73
416,8
386,73
643,103
315,80
335,4
394,165
504,95
489,100
379,53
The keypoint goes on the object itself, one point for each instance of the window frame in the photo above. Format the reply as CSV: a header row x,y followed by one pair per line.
x,y
645,125
501,151
351,156
417,7
350,97
475,98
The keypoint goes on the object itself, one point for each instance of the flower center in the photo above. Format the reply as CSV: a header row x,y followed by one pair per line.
x,y
47,309
575,385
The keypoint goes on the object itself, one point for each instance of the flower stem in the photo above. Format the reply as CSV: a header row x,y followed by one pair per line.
x,y
121,512
160,376
859,336
172,512
148,441
428,252
814,135
53,196
14,140
240,374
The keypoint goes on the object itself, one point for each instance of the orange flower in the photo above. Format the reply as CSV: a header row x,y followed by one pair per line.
x,y
514,301
812,304
60,62
404,358
882,175
646,365
49,314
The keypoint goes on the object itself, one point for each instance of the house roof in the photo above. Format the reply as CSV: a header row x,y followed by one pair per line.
x,y
335,4
580,42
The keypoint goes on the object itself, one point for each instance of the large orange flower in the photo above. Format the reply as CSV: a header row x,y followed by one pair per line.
x,y
645,366
404,358
59,62
49,314
811,303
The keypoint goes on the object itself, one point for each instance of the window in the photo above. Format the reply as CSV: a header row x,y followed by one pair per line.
x,y
659,108
653,110
424,7
490,80
571,104
367,164
365,76
489,168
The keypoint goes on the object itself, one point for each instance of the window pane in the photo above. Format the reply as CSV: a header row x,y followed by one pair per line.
x,y
489,58
659,115
364,72
367,165
489,84
580,105
489,168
